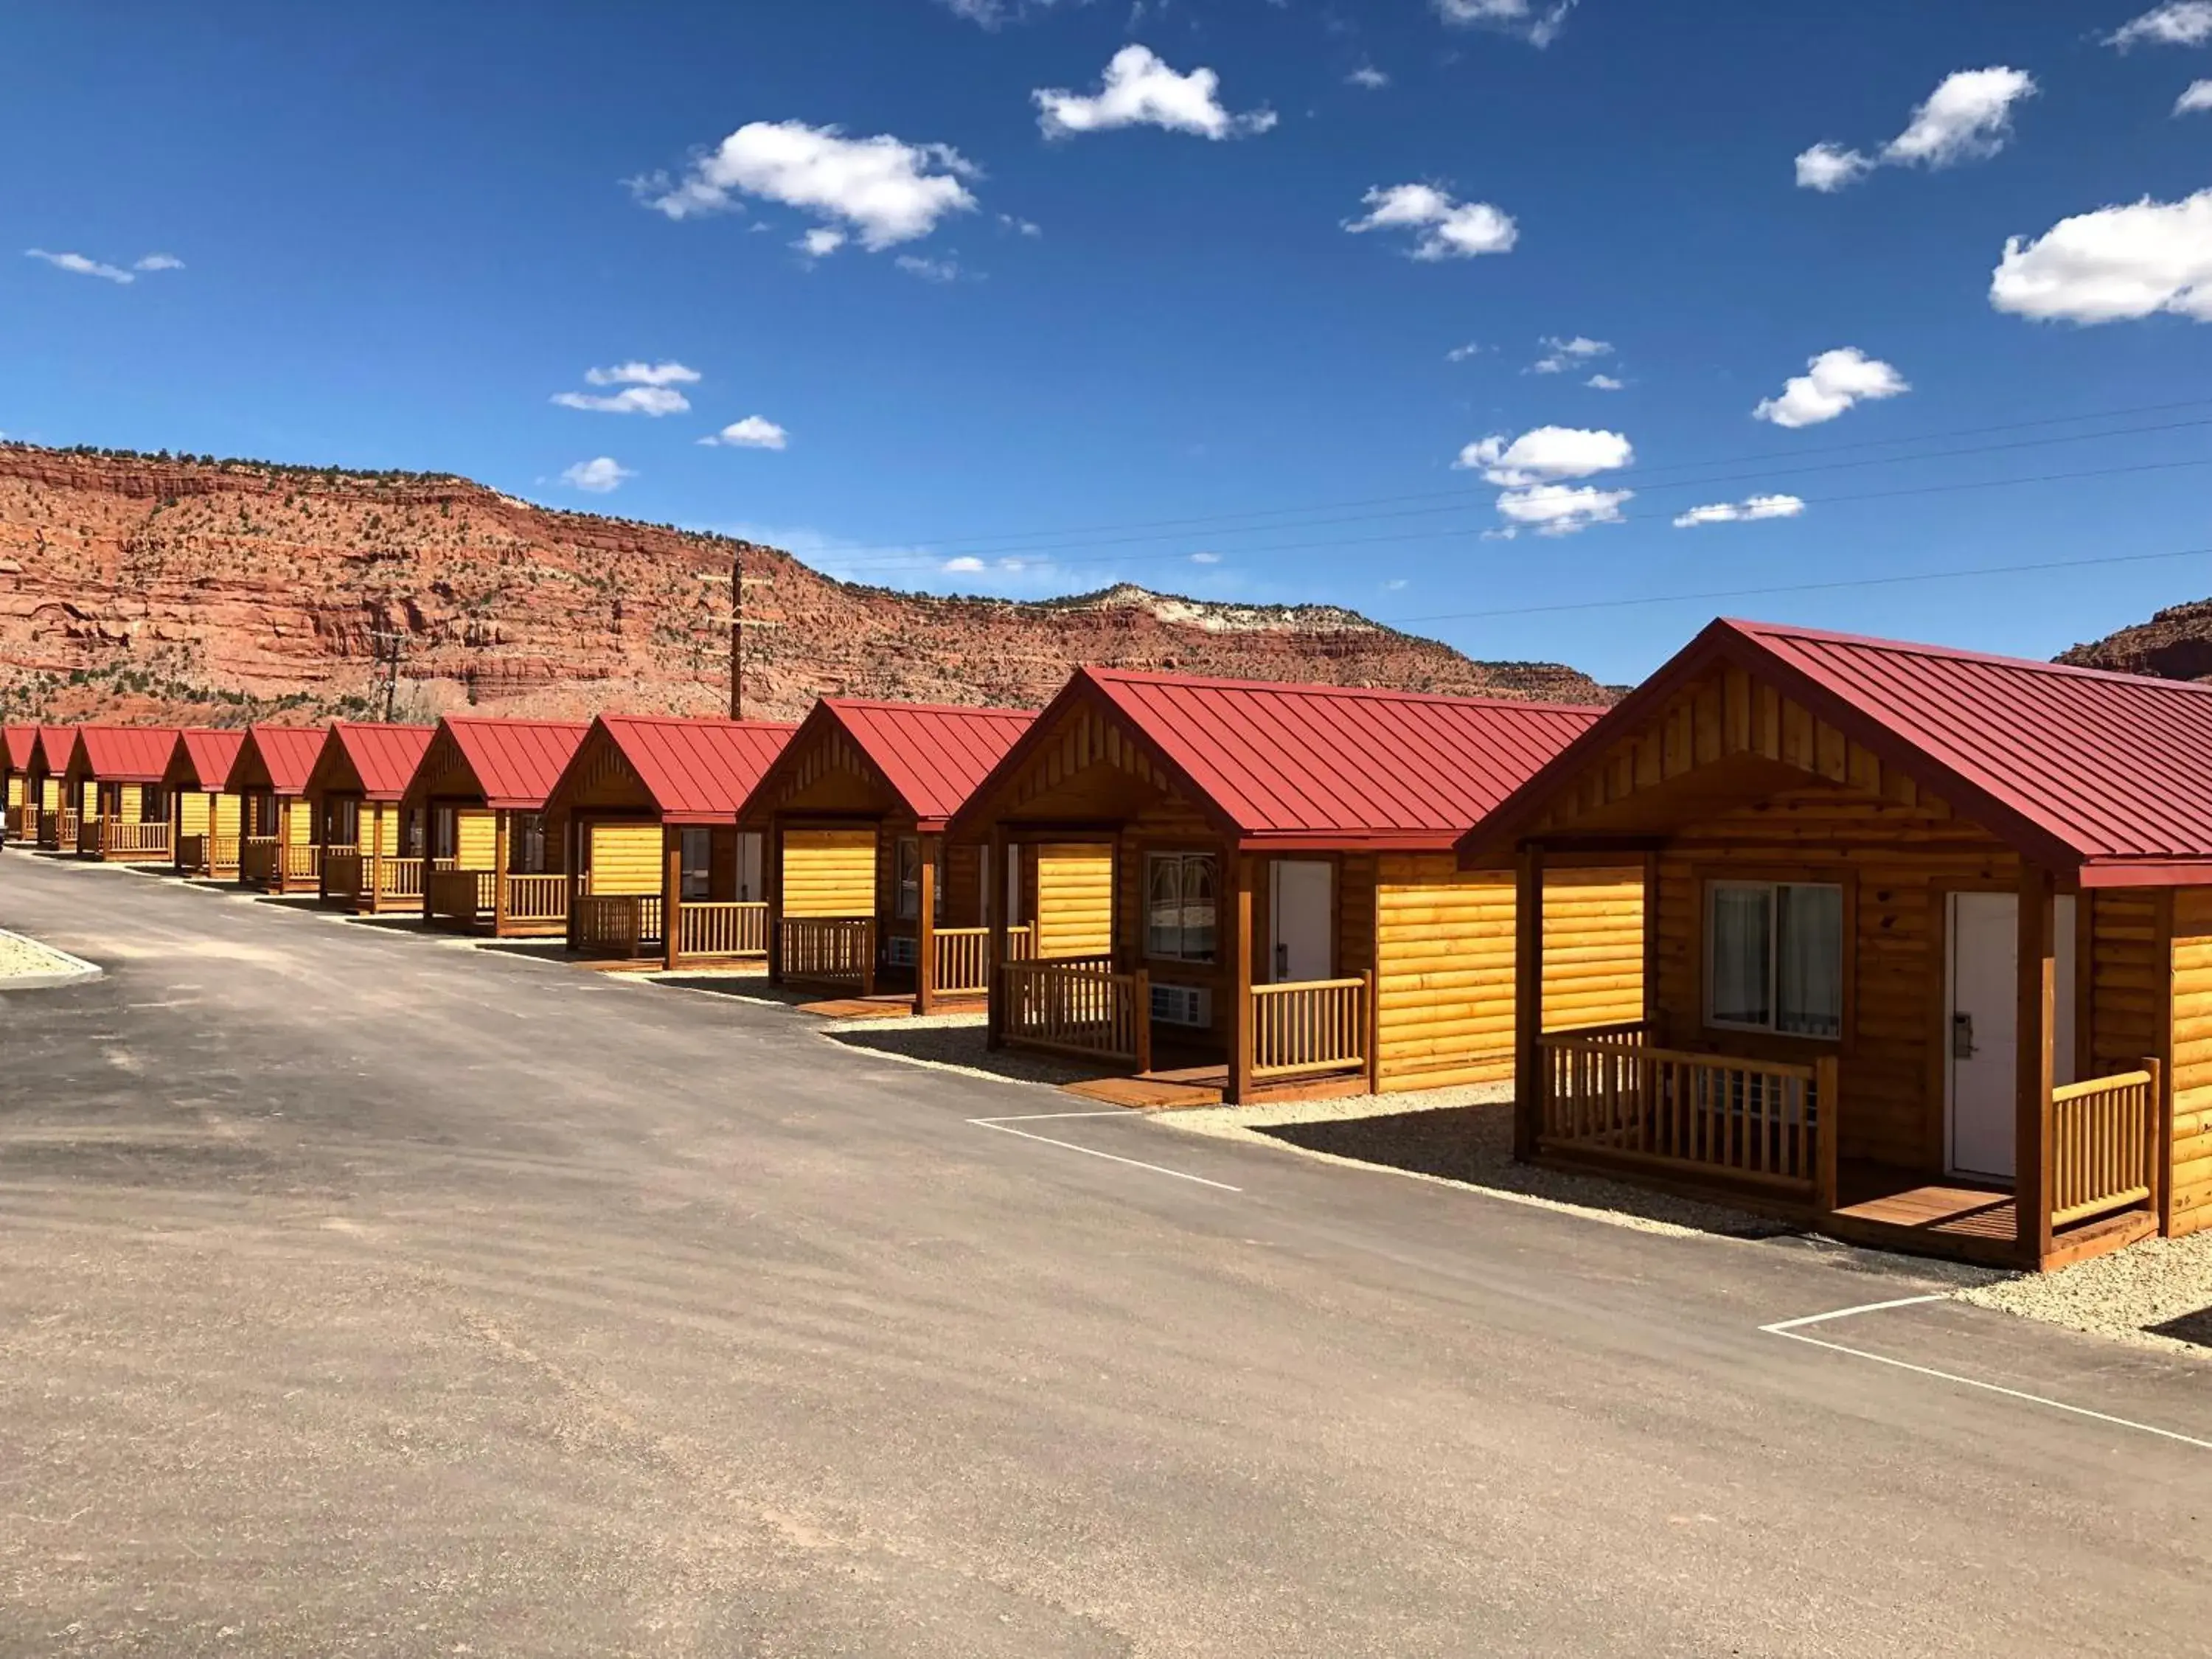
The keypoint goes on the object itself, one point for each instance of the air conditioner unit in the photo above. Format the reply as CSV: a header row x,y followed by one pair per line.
x,y
904,951
1183,1004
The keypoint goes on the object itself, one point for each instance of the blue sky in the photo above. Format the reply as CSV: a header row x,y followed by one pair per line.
x,y
1113,286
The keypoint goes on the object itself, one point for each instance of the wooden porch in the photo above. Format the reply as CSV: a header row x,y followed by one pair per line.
x,y
276,866
1762,1133
376,884
631,927
111,840
210,855
512,907
58,829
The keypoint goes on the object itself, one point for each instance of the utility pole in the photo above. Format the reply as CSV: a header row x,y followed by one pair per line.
x,y
738,582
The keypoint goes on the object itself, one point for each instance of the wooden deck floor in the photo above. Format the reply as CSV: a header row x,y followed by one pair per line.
x,y
1949,1209
1193,1085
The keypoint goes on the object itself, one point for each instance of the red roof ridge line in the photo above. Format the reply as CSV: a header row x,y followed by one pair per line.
x,y
1453,699
1954,653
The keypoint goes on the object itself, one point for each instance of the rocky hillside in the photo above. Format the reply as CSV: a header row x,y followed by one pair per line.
x,y
2176,644
144,588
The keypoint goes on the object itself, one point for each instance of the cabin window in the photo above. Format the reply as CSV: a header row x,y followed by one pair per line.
x,y
1774,955
526,852
1179,906
445,832
152,804
698,852
907,868
344,827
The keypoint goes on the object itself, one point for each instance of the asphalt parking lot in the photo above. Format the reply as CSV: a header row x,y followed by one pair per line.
x,y
367,1293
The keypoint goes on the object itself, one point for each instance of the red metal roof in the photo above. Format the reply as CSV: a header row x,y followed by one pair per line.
x,y
16,742
697,771
207,753
1346,766
383,757
285,755
515,762
932,755
122,754
54,745
2079,768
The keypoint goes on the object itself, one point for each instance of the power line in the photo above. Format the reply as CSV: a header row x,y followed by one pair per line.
x,y
1771,462
1806,587
1639,518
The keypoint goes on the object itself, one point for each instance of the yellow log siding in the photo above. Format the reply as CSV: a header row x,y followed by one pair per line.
x,y
1075,899
192,813
2191,1190
1444,965
15,782
475,833
228,813
299,822
626,857
830,872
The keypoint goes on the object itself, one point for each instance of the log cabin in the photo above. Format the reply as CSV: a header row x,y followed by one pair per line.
x,y
1245,891
205,817
58,815
482,788
1930,936
116,770
276,850
646,816
865,888
373,859
21,820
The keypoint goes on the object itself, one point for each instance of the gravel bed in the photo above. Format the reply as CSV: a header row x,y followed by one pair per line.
x,y
1462,1137
26,965
2157,1294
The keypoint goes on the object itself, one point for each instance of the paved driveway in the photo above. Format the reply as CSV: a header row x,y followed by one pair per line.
x,y
369,1294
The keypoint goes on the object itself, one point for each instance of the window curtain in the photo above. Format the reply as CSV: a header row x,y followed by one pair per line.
x,y
1742,918
1163,905
1809,966
909,904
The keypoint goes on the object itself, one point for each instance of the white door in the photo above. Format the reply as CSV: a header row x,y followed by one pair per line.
x,y
1983,1010
1300,900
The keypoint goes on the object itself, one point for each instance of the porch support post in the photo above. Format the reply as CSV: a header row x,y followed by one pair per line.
x,y
671,894
575,837
994,907
373,886
501,855
925,925
2036,1022
1528,1001
1240,1005
772,885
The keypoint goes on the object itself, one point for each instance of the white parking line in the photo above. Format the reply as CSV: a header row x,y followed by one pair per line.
x,y
1005,1127
1794,1329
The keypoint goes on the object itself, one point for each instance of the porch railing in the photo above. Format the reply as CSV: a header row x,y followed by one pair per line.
x,y
88,835
343,869
15,829
537,899
961,964
1305,1028
299,860
57,829
1607,1093
134,841
1086,1010
832,950
617,924
459,895
721,928
2104,1145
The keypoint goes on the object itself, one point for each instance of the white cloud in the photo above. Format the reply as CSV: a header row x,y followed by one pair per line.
x,y
1759,507
1369,77
2197,97
1967,118
1537,22
599,475
1557,510
1141,91
930,271
820,242
158,262
993,14
652,400
754,432
2177,23
1834,382
1448,229
962,566
1393,584
1206,558
2115,265
1560,355
1020,225
1604,383
1830,167
80,265
639,374
1547,454
882,189
1460,353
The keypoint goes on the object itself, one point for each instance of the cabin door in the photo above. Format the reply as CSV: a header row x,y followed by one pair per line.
x,y
1982,1027
1301,898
